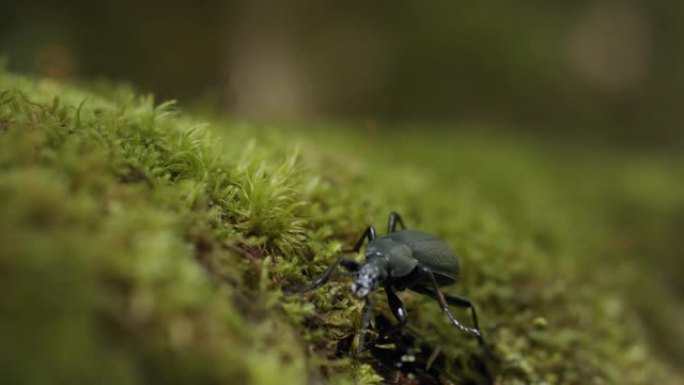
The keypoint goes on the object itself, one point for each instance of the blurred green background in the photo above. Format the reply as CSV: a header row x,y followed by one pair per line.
x,y
610,70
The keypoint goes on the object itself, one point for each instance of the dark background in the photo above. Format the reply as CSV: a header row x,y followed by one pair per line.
x,y
609,70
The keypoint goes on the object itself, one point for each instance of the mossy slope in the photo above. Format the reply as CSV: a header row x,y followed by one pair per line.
x,y
140,246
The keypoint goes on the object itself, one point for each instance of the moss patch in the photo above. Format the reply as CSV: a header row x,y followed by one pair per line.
x,y
140,245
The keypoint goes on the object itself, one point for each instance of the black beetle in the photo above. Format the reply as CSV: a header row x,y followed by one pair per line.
x,y
406,259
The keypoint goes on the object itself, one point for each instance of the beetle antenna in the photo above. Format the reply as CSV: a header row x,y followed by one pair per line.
x,y
367,310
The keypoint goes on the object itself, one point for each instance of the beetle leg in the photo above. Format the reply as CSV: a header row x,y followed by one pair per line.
x,y
442,300
392,222
346,263
396,306
463,303
369,233
367,311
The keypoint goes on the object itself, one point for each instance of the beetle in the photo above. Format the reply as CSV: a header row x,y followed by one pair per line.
x,y
404,259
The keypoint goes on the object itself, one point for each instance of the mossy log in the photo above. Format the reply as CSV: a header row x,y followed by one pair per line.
x,y
139,244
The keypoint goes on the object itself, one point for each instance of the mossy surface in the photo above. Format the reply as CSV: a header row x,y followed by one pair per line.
x,y
141,245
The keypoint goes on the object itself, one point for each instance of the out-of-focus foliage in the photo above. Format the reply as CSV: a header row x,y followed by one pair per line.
x,y
597,68
138,246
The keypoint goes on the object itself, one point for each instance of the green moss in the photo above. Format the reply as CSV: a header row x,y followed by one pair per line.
x,y
139,245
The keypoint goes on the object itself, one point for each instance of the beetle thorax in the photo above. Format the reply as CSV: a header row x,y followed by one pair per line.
x,y
369,277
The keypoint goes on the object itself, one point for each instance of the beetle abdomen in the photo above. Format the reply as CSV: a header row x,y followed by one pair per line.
x,y
432,252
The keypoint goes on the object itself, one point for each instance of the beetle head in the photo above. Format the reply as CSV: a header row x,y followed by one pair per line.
x,y
368,279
